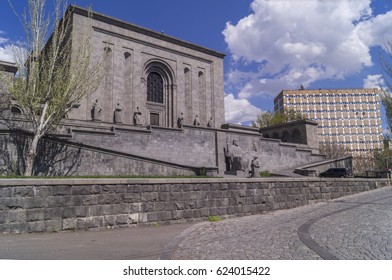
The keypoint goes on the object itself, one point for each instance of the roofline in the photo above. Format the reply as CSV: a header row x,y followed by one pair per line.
x,y
8,66
305,91
304,121
331,90
135,28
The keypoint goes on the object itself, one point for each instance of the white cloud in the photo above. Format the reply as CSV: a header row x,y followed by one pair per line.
x,y
7,53
373,81
2,39
373,32
239,110
6,50
299,42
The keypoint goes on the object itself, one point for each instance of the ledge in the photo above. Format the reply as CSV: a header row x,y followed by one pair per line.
x,y
148,181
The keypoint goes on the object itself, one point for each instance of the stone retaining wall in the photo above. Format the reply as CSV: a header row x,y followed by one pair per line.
x,y
56,205
109,149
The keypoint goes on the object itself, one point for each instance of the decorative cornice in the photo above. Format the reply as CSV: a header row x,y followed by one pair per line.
x,y
144,31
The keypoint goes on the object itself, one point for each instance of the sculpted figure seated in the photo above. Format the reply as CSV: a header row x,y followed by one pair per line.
x,y
180,120
235,155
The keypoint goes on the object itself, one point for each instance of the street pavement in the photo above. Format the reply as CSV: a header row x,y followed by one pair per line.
x,y
137,243
353,227
350,228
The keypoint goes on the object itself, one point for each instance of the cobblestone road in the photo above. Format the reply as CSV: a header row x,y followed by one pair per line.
x,y
354,227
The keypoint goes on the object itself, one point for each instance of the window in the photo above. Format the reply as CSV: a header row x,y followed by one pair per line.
x,y
155,88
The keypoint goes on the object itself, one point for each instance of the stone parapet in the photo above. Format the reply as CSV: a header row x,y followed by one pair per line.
x,y
42,205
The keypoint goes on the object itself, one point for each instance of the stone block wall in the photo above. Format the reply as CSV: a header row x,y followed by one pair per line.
x,y
81,204
192,147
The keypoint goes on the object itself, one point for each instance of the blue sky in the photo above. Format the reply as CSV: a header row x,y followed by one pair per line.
x,y
270,45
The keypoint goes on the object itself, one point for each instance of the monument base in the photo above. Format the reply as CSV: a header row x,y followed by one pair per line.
x,y
238,173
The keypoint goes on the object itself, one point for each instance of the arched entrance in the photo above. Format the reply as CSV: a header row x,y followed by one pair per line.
x,y
296,137
160,91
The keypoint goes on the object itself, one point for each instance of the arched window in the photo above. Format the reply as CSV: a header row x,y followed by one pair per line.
x,y
296,136
127,55
159,84
154,88
285,137
202,98
188,96
16,110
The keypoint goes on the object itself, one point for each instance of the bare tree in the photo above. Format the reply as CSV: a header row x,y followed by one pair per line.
x,y
57,73
333,150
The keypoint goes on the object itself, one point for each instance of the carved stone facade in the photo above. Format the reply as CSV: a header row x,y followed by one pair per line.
x,y
161,75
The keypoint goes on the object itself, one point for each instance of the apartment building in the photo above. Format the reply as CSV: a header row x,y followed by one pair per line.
x,y
347,117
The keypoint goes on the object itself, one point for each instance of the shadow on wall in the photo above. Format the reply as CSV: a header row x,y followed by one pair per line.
x,y
13,149
53,159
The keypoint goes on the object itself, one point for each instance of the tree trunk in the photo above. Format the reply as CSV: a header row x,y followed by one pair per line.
x,y
31,155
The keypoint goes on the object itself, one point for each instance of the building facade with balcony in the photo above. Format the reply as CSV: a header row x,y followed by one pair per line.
x,y
350,118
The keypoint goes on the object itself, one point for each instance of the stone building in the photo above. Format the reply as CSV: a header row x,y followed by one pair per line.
x,y
151,76
158,111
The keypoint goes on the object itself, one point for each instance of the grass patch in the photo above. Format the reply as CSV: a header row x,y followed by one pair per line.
x,y
265,173
214,219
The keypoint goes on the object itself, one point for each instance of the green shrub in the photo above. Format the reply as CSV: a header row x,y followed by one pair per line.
x,y
214,218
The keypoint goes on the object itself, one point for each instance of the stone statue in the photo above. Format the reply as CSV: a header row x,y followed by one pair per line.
x,y
180,120
96,111
118,118
210,122
254,147
255,167
235,155
137,117
196,122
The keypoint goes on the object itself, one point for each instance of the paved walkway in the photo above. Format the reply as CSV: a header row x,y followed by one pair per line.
x,y
145,242
354,227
